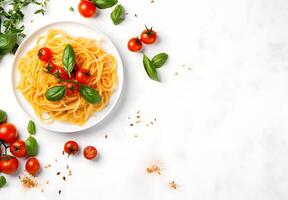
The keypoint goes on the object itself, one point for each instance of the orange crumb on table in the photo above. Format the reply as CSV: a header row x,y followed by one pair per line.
x,y
29,181
173,185
153,169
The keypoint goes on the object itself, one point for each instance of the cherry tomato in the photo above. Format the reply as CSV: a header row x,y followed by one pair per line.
x,y
32,166
82,76
18,148
87,8
8,164
148,36
90,152
50,66
71,147
134,44
60,72
45,54
72,88
8,133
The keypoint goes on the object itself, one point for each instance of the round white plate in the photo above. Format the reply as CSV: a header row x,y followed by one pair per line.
x,y
74,29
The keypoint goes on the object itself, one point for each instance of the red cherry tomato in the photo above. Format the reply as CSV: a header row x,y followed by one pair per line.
x,y
82,76
72,88
18,148
71,147
8,164
134,44
87,8
50,66
90,152
32,166
60,72
8,133
148,36
45,54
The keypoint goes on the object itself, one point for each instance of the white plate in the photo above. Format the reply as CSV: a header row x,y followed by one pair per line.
x,y
74,29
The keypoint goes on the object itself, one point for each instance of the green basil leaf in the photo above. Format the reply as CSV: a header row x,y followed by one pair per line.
x,y
103,4
3,116
118,14
7,43
68,59
89,94
31,127
31,146
55,93
159,60
2,181
150,68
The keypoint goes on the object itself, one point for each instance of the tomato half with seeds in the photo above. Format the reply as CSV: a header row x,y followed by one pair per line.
x,y
8,133
71,147
82,76
72,88
18,148
32,166
90,152
8,164
134,44
45,54
148,36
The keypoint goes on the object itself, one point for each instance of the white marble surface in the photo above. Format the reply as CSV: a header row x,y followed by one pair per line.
x,y
221,130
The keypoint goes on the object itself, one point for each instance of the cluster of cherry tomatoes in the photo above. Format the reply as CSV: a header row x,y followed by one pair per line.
x,y
72,148
148,36
81,75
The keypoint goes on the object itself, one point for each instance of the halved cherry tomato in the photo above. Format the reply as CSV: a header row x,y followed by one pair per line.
x,y
82,76
45,54
50,66
60,72
134,44
87,8
8,133
71,147
90,152
32,166
18,148
148,36
72,88
8,164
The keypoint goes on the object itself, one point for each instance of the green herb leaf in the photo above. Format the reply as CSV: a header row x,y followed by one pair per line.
x,y
31,127
3,116
55,93
103,4
31,146
150,68
7,43
68,59
71,9
2,181
159,60
118,14
89,94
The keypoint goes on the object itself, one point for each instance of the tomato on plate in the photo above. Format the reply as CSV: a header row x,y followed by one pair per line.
x,y
71,147
45,54
87,8
60,73
148,36
50,66
72,88
18,148
134,44
90,152
32,166
82,76
8,164
8,133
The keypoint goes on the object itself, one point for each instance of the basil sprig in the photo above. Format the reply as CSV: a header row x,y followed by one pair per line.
x,y
31,128
89,94
150,68
31,146
118,14
159,60
55,93
7,43
3,116
68,59
103,4
2,181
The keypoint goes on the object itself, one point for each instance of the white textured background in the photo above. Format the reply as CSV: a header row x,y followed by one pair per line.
x,y
221,130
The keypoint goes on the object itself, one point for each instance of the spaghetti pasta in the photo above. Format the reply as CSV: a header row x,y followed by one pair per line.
x,y
34,82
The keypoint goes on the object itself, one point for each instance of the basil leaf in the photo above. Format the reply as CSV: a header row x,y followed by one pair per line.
x,y
31,127
31,146
55,93
103,4
7,43
89,94
3,116
150,68
2,181
68,59
159,60
118,14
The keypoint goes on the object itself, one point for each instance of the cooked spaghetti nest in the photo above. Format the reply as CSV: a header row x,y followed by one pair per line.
x,y
34,81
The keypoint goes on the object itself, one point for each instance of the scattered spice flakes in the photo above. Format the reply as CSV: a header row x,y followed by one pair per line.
x,y
138,116
47,182
152,1
55,160
135,15
63,152
106,136
58,173
69,173
131,124
153,169
29,181
173,185
59,192
64,178
176,73
135,135
42,190
147,125
47,166
138,121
